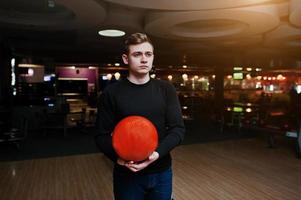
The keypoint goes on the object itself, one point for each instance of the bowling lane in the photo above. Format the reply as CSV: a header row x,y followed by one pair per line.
x,y
233,169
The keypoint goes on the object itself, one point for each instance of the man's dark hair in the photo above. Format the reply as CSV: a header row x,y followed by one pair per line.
x,y
136,38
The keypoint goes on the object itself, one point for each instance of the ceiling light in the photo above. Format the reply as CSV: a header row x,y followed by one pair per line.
x,y
30,65
109,76
30,72
237,68
111,33
13,62
117,75
258,69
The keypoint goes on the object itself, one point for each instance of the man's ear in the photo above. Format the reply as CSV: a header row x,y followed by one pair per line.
x,y
125,59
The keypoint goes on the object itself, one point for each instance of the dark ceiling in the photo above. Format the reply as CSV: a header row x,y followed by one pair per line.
x,y
201,33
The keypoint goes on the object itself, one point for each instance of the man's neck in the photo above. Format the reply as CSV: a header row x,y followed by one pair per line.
x,y
138,79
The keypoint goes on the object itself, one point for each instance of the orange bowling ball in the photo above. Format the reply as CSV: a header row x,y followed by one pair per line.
x,y
134,138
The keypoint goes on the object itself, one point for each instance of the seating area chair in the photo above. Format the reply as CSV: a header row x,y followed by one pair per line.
x,y
16,135
55,120
298,143
85,120
80,118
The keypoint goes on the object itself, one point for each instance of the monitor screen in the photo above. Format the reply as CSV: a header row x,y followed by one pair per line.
x,y
238,75
237,109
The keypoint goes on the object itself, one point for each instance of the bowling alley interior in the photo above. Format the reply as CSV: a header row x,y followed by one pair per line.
x,y
235,66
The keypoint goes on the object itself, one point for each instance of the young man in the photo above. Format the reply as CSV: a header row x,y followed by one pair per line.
x,y
157,101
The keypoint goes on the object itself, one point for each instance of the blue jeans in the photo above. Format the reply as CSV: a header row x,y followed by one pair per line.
x,y
156,186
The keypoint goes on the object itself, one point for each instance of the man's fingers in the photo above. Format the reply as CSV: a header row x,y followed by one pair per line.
x,y
135,167
151,157
123,162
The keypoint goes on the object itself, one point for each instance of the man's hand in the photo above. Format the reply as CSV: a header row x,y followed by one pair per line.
x,y
135,167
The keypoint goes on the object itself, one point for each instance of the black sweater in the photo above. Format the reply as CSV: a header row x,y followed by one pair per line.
x,y
157,101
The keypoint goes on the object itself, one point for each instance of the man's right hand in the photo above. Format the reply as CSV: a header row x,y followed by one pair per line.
x,y
122,162
135,167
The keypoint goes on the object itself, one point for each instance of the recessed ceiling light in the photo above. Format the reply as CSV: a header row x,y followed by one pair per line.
x,y
111,33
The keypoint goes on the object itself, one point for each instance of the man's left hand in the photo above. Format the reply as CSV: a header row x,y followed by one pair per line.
x,y
135,167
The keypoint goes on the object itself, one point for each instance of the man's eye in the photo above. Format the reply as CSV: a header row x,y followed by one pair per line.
x,y
137,54
149,54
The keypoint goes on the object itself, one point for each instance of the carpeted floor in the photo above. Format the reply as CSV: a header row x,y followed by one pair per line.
x,y
54,144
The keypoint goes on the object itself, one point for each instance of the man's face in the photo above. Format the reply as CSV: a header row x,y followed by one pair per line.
x,y
140,58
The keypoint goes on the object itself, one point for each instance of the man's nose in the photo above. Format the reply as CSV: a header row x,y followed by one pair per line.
x,y
143,59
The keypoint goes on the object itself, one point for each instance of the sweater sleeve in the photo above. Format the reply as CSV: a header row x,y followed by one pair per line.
x,y
174,123
104,126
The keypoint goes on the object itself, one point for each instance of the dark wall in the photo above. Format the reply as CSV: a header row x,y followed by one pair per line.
x,y
219,89
5,76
